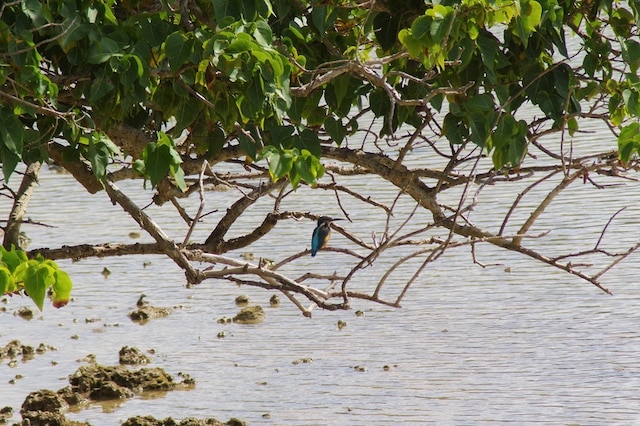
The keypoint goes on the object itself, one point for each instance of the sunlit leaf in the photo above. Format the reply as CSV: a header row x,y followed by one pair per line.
x,y
61,289
37,279
7,281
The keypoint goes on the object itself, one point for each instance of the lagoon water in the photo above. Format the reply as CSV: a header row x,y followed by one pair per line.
x,y
513,342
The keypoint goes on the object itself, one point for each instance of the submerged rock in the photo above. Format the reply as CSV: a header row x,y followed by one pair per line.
x,y
242,300
189,421
15,348
5,413
97,381
25,312
46,408
133,356
44,400
147,312
250,315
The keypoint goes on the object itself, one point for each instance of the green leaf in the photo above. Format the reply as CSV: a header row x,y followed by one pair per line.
x,y
156,162
631,101
421,28
380,103
308,167
11,132
38,278
455,130
252,102
9,162
12,258
178,48
7,281
631,54
308,140
280,164
248,146
335,129
99,151
529,19
412,44
102,50
387,27
481,114
628,142
263,33
102,85
294,177
61,289
319,19
622,21
186,114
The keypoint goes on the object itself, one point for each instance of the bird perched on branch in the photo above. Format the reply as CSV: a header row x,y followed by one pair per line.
x,y
321,234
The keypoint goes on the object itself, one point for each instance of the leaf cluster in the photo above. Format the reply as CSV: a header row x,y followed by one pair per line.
x,y
35,277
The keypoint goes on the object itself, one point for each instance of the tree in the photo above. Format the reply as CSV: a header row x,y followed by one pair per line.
x,y
285,93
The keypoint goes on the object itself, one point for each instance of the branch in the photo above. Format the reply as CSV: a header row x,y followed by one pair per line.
x,y
545,203
146,223
20,203
84,251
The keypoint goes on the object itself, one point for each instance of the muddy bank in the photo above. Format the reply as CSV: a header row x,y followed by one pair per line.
x,y
92,383
190,421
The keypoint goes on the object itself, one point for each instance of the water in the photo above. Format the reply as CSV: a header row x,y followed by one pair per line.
x,y
515,342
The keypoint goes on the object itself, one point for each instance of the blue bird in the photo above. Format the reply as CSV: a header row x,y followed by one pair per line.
x,y
321,234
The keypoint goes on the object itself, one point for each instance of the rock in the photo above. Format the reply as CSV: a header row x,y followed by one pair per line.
x,y
11,350
133,356
189,421
250,315
71,397
90,378
242,300
44,418
26,313
5,414
110,390
43,400
146,313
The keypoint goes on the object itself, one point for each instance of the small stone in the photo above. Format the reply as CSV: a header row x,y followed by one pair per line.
x,y
242,300
302,361
247,256
25,313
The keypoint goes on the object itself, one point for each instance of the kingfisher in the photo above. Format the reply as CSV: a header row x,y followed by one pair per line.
x,y
321,234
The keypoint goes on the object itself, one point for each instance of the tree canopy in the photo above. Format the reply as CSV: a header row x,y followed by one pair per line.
x,y
285,93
